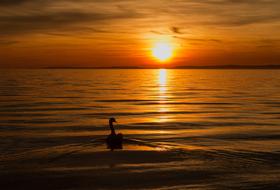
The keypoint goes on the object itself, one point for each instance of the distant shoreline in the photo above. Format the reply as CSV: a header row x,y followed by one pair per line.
x,y
176,67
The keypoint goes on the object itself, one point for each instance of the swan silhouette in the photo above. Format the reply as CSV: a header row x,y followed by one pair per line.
x,y
114,141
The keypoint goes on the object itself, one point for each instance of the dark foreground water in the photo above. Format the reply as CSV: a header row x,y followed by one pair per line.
x,y
184,129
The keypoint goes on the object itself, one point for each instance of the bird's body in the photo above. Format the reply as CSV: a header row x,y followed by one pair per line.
x,y
114,141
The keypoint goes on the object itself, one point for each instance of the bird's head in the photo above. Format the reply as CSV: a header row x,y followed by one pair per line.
x,y
112,120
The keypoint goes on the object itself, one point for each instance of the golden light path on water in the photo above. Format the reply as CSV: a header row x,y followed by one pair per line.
x,y
163,89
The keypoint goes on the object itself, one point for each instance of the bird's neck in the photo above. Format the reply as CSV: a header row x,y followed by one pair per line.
x,y
112,128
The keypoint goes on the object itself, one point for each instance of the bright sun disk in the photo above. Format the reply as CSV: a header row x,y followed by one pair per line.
x,y
162,51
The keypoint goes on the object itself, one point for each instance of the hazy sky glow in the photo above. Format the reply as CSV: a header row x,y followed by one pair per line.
x,y
45,33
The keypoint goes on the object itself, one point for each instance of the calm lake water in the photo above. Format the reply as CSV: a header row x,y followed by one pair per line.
x,y
233,112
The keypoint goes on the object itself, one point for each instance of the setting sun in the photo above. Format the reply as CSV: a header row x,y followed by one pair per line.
x,y
162,51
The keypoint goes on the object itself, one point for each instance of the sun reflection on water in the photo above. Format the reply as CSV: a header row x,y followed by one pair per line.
x,y
162,81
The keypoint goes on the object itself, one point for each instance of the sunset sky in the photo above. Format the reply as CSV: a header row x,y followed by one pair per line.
x,y
97,33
